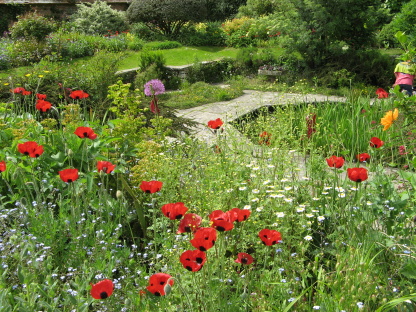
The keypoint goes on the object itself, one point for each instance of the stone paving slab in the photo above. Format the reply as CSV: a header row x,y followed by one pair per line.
x,y
247,103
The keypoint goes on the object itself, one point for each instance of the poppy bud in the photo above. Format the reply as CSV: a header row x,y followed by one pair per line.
x,y
119,194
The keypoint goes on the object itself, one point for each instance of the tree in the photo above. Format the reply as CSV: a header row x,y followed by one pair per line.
x,y
220,10
329,26
167,16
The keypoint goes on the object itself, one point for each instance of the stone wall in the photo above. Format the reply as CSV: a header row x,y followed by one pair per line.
x,y
61,8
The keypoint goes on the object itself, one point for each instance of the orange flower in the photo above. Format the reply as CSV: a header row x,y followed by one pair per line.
x,y
389,118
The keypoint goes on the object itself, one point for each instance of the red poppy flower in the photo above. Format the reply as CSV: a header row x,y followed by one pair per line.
x,y
334,161
151,186
85,132
78,95
174,211
2,166
376,142
189,223
18,90
40,96
244,258
382,94
265,138
204,238
242,214
43,105
193,260
102,289
30,148
69,175
311,123
357,174
363,157
270,237
159,284
222,221
105,166
215,124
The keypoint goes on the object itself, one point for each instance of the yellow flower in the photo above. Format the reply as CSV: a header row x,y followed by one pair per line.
x,y
28,75
6,83
40,76
389,118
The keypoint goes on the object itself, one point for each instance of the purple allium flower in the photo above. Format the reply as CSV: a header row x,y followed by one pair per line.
x,y
154,87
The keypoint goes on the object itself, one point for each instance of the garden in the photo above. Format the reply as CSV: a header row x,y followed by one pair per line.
x,y
109,201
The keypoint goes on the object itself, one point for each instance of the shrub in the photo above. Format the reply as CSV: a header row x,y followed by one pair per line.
x,y
4,53
25,52
210,72
142,31
98,18
203,34
163,45
32,26
250,59
168,16
71,45
152,66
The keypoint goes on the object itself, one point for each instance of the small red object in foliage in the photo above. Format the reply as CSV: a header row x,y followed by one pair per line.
x,y
102,289
105,166
215,124
270,237
159,282
357,174
334,161
376,142
30,148
174,211
151,186
85,132
193,260
69,175
363,157
382,94
244,258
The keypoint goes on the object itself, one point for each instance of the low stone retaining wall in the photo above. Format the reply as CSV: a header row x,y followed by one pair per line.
x,y
128,75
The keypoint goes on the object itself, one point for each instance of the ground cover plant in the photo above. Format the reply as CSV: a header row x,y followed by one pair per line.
x,y
104,213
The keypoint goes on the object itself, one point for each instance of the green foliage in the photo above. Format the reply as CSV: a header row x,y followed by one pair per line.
x,y
26,52
9,13
211,72
257,8
98,18
32,26
202,34
324,27
220,10
162,45
249,60
142,31
166,16
195,94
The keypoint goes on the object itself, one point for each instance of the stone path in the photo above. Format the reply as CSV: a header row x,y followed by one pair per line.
x,y
248,102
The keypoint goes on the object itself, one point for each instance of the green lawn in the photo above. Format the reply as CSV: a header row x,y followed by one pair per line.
x,y
183,56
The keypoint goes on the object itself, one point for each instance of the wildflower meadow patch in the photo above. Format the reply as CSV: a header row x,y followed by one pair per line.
x,y
109,214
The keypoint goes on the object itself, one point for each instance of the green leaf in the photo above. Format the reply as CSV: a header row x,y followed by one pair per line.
x,y
409,269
